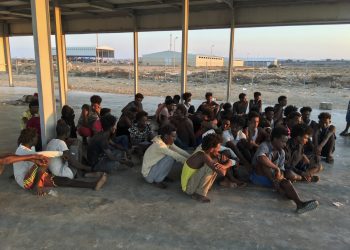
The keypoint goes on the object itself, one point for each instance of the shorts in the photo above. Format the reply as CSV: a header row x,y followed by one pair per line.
x,y
260,180
46,179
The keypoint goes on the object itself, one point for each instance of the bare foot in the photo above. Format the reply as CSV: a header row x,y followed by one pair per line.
x,y
126,162
101,182
200,198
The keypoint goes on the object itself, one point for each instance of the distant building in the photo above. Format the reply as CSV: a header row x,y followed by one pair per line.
x,y
103,53
260,62
171,58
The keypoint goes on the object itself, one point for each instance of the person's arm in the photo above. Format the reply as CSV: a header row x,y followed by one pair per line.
x,y
216,166
9,159
72,161
172,153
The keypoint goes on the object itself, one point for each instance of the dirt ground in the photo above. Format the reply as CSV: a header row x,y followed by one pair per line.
x,y
322,83
130,214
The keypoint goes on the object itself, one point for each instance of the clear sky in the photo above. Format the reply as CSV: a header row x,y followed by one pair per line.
x,y
294,42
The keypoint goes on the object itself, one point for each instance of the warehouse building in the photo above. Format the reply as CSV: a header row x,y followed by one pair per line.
x,y
103,53
173,58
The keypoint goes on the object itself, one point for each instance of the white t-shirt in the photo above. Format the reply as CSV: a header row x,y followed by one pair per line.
x,y
58,166
228,136
20,169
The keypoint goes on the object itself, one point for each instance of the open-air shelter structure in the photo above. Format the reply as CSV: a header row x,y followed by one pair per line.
x,y
41,18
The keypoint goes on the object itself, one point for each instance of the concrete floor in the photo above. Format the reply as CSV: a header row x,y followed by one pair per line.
x,y
130,214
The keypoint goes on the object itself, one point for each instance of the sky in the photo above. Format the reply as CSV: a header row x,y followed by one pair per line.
x,y
313,42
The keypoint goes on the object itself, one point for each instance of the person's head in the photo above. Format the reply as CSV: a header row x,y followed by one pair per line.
x,y
227,107
282,100
181,110
34,107
187,97
279,137
301,133
176,99
62,129
293,119
253,120
138,97
28,137
242,97
289,109
226,124
141,119
109,123
170,104
269,113
167,98
168,134
67,112
237,123
105,111
324,119
257,96
211,144
85,109
96,103
209,97
305,113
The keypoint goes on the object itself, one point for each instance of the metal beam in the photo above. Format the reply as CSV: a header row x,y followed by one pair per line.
x,y
231,60
60,56
136,62
44,75
184,50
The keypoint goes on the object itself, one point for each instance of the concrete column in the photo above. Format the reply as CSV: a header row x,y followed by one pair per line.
x,y
60,56
2,54
185,15
136,62
230,62
44,70
65,64
8,59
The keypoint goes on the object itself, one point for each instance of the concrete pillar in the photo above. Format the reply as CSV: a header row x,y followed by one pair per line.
x,y
8,59
230,63
136,62
5,52
60,56
2,54
44,70
185,15
65,63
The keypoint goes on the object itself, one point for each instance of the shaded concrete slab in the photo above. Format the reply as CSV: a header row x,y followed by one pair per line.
x,y
130,214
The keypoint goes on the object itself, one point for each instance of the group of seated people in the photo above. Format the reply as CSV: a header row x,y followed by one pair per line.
x,y
231,144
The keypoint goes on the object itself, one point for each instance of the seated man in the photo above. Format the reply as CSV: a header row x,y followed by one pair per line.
x,y
278,109
141,133
267,121
268,165
201,169
187,102
83,126
240,107
94,112
102,157
305,117
324,137
136,104
67,165
31,176
32,111
160,157
12,158
298,166
256,103
184,128
209,104
68,116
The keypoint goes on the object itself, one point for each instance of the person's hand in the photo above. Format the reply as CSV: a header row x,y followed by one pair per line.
x,y
306,176
306,160
278,174
40,160
318,150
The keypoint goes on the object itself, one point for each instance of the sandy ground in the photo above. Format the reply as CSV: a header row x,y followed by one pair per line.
x,y
324,84
130,214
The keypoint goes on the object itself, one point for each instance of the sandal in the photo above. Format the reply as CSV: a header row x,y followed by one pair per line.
x,y
307,206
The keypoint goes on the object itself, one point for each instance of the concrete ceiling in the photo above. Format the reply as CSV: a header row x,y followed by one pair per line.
x,y
97,16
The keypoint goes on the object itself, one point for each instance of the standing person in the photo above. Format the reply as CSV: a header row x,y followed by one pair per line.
x,y
240,107
278,109
36,176
201,169
268,163
136,103
345,131
256,103
324,137
160,157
